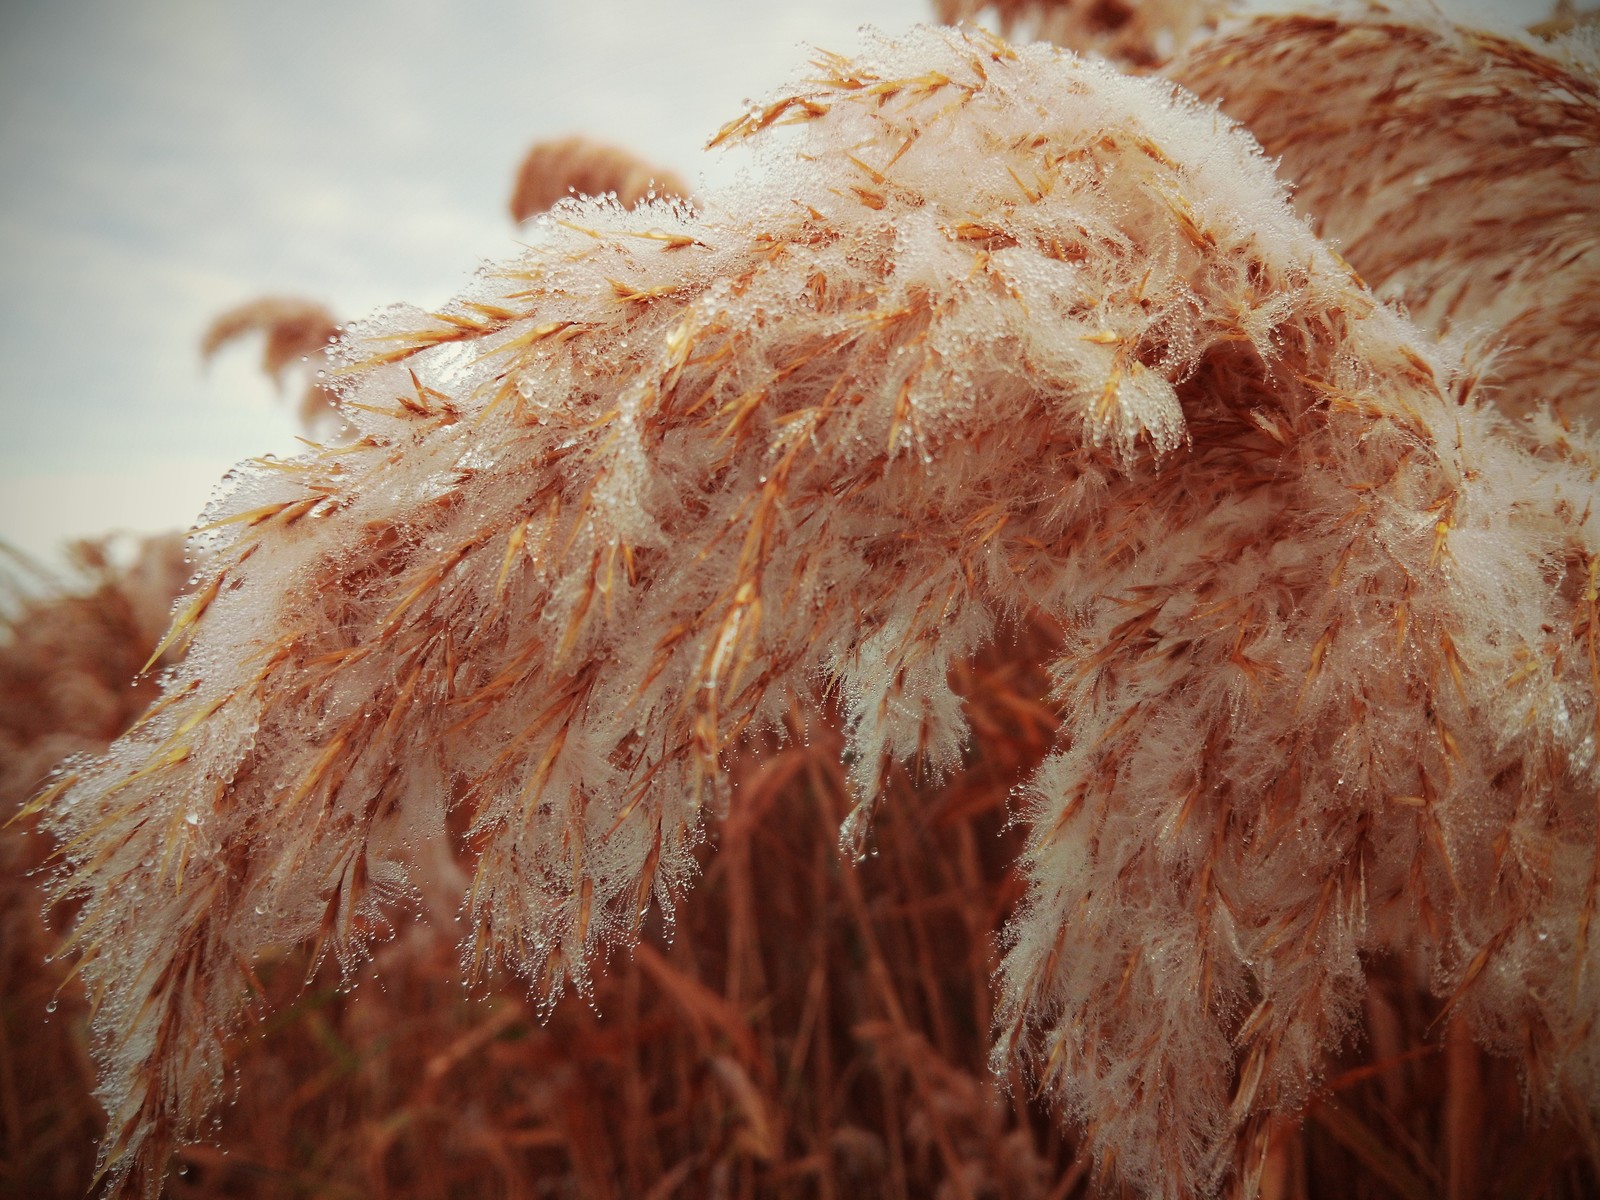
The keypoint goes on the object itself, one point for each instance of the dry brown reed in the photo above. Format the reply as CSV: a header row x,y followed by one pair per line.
x,y
555,170
1139,35
1458,171
296,333
70,653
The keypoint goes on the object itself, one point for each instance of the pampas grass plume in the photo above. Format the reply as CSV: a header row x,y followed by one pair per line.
x,y
611,524
1457,170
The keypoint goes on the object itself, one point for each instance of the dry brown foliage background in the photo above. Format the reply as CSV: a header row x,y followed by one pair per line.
x,y
69,683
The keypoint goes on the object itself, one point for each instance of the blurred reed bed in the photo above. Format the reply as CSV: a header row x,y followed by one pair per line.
x,y
70,652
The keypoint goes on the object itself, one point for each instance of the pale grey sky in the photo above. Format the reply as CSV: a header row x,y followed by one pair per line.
x,y
162,160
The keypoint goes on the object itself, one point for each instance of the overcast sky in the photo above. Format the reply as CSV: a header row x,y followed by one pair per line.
x,y
162,160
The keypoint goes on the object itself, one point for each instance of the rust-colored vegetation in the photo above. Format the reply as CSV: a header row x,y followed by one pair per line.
x,y
1458,171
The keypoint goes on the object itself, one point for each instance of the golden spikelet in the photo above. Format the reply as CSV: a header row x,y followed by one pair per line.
x,y
1563,19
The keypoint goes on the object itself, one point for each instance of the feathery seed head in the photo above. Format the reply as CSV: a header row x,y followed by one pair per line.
x,y
1328,677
